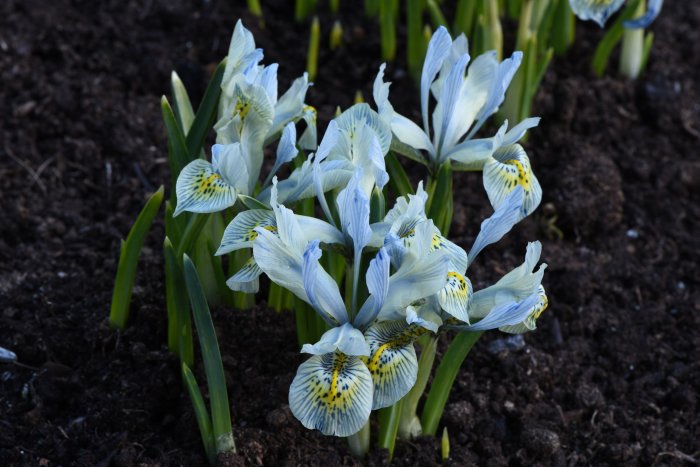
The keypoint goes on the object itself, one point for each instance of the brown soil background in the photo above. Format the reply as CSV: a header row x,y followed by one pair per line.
x,y
611,377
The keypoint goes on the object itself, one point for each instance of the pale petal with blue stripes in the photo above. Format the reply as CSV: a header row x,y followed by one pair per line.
x,y
529,323
596,10
501,221
507,169
199,188
332,393
392,361
247,278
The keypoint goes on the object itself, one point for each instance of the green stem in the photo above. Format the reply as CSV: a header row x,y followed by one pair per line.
x,y
359,442
632,54
445,378
192,231
409,426
388,427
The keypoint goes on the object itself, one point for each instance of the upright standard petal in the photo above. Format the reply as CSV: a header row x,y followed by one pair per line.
x,y
286,149
281,263
232,163
499,85
309,139
320,287
392,361
438,51
596,10
332,393
378,286
201,189
501,221
444,126
353,210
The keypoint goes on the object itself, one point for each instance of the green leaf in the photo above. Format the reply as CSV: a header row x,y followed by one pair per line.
x,y
648,42
398,180
183,106
439,207
436,16
192,231
206,114
128,260
312,53
252,203
388,427
387,30
201,413
213,368
611,38
445,378
177,148
179,322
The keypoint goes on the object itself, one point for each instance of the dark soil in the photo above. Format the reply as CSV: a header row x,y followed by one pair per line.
x,y
610,378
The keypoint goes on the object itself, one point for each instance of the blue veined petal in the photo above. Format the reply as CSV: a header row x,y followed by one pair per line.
x,y
361,115
289,107
458,257
392,362
653,10
454,297
459,48
286,150
200,189
246,279
438,50
504,74
281,263
240,56
507,169
472,154
519,130
519,283
403,129
529,323
422,273
240,233
309,139
320,287
377,279
232,163
329,141
424,315
505,314
353,210
443,125
501,221
597,10
267,79
332,393
377,166
346,338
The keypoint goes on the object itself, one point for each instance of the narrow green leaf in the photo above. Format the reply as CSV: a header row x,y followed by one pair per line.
x,y
214,369
183,106
201,413
414,37
179,322
444,379
611,38
206,114
177,148
436,16
192,231
398,180
387,30
464,17
388,427
314,44
445,445
128,260
409,424
648,42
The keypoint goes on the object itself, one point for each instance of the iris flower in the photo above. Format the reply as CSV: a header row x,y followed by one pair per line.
x,y
600,10
463,104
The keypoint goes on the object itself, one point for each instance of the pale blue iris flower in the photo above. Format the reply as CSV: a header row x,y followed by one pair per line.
x,y
356,139
463,104
600,10
336,389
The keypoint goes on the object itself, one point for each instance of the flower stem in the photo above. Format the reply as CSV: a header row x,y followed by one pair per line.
x,y
359,442
409,425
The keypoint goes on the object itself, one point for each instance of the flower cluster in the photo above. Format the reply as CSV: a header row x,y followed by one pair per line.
x,y
404,279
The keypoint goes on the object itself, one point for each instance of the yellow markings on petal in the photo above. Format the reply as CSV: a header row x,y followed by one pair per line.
x,y
509,168
332,393
530,323
242,108
252,234
311,110
392,361
438,242
200,189
454,297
